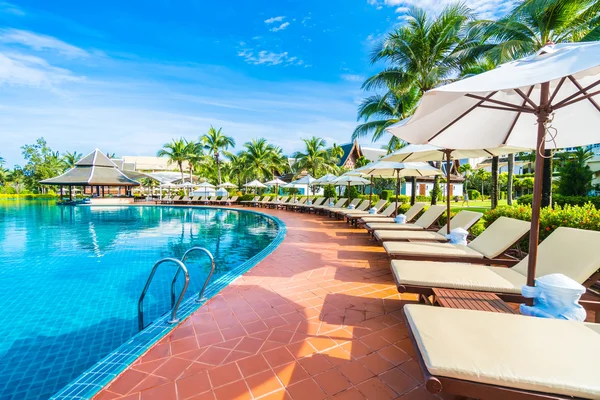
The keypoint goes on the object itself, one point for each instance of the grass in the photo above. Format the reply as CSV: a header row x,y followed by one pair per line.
x,y
475,205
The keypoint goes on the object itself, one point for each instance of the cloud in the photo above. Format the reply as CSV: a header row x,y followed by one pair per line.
x,y
264,57
274,19
40,42
280,27
487,9
20,69
353,77
9,8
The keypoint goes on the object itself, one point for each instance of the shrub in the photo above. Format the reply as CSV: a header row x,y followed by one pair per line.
x,y
559,200
329,191
473,194
387,194
352,193
526,199
374,199
246,197
423,199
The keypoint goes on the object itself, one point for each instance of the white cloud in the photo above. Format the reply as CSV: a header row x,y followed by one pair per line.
x,y
40,42
280,27
20,69
487,9
353,77
264,57
274,19
9,8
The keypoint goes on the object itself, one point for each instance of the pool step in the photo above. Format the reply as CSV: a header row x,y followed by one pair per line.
x,y
175,301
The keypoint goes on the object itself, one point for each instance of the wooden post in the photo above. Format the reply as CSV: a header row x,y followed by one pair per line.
x,y
534,235
447,153
371,193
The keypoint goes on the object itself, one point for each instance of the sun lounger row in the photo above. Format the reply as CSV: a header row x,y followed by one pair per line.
x,y
199,200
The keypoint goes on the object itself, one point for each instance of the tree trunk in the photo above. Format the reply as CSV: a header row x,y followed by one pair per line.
x,y
413,191
181,170
436,186
547,181
218,166
494,191
509,184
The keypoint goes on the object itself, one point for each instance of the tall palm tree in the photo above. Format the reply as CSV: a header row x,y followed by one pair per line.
x,y
195,156
70,159
315,158
530,26
260,157
176,151
238,166
214,142
337,151
2,162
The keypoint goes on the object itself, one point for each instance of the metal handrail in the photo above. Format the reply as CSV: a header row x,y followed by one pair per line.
x,y
174,306
200,297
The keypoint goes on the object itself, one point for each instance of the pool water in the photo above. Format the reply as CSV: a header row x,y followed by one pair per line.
x,y
70,279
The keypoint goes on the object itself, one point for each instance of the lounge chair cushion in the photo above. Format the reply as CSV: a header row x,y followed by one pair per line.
x,y
457,276
378,219
406,235
430,249
393,226
499,236
538,354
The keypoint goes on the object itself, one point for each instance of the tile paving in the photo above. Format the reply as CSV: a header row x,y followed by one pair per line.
x,y
319,318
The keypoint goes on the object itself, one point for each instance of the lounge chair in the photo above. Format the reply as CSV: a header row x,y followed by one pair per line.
x,y
568,251
386,215
429,217
319,201
339,204
171,199
263,201
211,200
360,208
222,200
294,204
275,202
194,200
464,219
231,201
184,199
487,248
486,355
248,203
355,215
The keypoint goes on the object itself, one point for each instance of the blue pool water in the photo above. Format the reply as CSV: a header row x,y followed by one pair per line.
x,y
70,278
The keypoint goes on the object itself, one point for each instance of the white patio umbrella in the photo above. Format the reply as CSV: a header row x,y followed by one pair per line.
x,y
306,180
555,89
428,152
226,185
390,169
276,182
350,180
324,180
255,184
205,185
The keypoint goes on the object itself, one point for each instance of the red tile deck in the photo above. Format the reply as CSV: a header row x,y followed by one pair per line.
x,y
319,318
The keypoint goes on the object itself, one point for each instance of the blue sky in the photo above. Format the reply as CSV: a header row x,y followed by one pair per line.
x,y
127,76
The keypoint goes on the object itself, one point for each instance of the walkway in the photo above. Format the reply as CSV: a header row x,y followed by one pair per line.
x,y
319,318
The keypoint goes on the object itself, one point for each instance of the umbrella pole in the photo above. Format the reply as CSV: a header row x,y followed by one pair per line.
x,y
397,190
534,234
371,193
447,152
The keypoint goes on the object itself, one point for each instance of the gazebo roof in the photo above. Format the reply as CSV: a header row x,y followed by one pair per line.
x,y
95,169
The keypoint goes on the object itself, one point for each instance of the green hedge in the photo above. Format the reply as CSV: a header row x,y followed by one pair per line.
x,y
423,199
28,196
387,194
474,194
560,200
374,199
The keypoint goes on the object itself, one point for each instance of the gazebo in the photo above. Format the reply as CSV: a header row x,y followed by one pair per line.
x,y
97,171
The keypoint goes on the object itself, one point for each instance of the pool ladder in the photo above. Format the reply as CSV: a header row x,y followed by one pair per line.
x,y
176,302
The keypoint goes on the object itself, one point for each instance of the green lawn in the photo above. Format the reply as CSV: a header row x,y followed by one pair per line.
x,y
475,205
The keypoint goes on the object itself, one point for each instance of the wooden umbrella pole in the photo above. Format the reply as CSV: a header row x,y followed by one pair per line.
x,y
397,189
543,113
371,193
447,152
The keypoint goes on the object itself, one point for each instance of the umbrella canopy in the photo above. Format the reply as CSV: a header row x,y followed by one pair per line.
x,y
276,182
205,185
555,89
352,180
188,185
305,180
226,185
324,180
254,184
428,152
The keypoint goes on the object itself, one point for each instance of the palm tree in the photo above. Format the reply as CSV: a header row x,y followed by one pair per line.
x,y
17,176
337,151
510,181
465,170
531,25
195,155
2,162
70,159
260,157
214,142
238,164
315,158
177,153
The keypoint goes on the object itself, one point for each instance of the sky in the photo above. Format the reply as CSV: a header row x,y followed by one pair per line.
x,y
128,76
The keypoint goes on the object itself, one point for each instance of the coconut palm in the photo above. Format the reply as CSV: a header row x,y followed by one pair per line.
x,y
215,142
195,156
260,157
177,151
70,159
238,166
336,151
531,25
315,158
2,162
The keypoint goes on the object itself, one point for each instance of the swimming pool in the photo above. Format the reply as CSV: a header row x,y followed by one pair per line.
x,y
70,279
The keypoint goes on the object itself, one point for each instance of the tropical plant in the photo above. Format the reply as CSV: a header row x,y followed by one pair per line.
x,y
215,142
70,159
261,157
42,163
575,173
315,158
194,156
336,151
361,162
177,152
465,170
527,28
